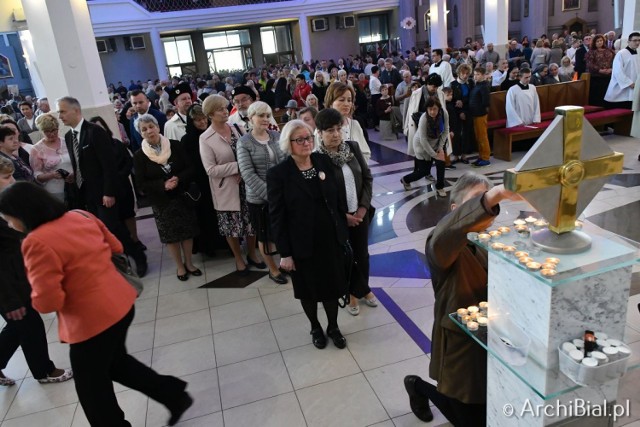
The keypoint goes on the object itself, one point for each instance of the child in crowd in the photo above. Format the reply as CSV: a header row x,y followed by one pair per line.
x,y
479,108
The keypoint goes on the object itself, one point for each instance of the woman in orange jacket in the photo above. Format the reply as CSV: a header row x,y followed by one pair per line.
x,y
68,260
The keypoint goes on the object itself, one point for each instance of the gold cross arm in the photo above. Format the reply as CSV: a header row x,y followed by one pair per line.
x,y
569,174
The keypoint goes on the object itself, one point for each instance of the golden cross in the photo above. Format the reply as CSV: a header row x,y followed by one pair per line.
x,y
569,175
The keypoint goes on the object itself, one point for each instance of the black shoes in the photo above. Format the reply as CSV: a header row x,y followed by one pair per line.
x,y
180,408
140,245
419,404
195,272
337,338
260,265
141,267
183,277
279,279
318,338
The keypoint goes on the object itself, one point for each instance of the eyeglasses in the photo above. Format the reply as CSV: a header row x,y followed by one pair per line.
x,y
301,141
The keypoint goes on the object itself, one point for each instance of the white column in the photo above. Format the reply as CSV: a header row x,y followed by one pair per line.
x,y
63,39
630,20
159,54
304,38
34,68
496,24
438,18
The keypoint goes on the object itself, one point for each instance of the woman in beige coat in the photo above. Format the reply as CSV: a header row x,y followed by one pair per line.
x,y
218,152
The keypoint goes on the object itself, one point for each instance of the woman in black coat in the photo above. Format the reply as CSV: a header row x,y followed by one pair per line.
x,y
309,226
164,173
282,94
355,189
209,239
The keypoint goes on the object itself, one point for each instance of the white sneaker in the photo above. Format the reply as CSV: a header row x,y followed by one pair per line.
x,y
354,311
373,302
441,193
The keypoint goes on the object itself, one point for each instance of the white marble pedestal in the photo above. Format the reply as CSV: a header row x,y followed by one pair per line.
x,y
590,292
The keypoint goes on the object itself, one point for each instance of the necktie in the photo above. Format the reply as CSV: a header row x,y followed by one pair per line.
x,y
76,153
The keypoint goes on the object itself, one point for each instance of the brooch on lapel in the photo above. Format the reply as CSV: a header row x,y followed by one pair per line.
x,y
321,175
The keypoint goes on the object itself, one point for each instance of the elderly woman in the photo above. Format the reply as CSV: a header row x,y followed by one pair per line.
x,y
164,174
341,97
355,184
9,145
209,239
599,61
218,145
566,68
309,225
67,256
49,159
257,151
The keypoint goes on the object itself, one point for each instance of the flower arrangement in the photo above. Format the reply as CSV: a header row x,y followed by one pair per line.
x,y
408,23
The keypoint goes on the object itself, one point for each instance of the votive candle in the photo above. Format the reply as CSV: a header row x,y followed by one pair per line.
x,y
520,254
472,326
533,266
525,260
519,222
552,260
548,272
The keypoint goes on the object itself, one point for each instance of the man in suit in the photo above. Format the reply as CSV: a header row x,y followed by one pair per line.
x,y
580,63
95,174
142,105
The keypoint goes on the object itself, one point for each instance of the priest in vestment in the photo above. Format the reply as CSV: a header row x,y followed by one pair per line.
x,y
522,103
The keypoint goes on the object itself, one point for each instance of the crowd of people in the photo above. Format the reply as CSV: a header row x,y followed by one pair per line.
x,y
277,161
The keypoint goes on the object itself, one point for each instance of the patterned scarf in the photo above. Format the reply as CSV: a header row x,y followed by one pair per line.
x,y
435,126
340,157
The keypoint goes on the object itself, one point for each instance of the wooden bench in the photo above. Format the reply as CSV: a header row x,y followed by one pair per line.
x,y
503,139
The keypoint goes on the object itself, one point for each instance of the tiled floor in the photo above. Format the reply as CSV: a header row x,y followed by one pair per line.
x,y
246,353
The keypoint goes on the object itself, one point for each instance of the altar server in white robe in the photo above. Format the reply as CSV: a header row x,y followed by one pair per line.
x,y
523,104
626,69
440,67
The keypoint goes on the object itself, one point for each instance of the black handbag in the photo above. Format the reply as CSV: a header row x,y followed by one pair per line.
x,y
192,194
123,265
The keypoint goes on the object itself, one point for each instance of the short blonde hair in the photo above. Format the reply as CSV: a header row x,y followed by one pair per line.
x,y
6,166
288,130
47,122
258,108
212,103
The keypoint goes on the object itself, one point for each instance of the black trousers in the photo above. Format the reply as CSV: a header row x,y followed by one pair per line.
x,y
374,103
464,140
29,334
111,218
359,239
422,168
458,413
100,360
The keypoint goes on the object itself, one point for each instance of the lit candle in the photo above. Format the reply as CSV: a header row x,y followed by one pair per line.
x,y
553,260
548,266
495,234
473,309
484,237
472,326
548,272
509,250
520,254
579,225
525,260
522,230
530,219
465,319
462,312
540,223
533,266
483,305
504,230
482,321
519,222
497,246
